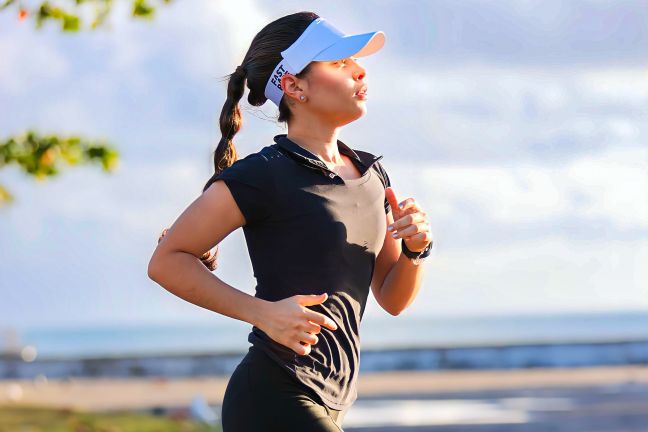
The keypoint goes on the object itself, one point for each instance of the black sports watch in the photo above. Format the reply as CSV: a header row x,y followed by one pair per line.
x,y
416,257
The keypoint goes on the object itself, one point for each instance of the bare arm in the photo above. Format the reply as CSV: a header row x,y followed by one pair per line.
x,y
385,261
401,286
177,267
176,264
397,280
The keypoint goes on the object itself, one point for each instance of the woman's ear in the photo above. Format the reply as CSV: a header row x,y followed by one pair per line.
x,y
290,86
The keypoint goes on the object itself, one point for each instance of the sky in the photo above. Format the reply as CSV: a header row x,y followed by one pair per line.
x,y
518,126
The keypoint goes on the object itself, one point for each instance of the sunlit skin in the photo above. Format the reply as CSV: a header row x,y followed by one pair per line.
x,y
411,223
330,88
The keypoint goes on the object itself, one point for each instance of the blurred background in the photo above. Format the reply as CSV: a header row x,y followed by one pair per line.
x,y
519,126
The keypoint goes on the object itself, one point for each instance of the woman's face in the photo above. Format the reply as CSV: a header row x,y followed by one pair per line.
x,y
330,88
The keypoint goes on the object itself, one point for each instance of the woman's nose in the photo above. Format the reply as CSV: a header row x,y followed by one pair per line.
x,y
359,72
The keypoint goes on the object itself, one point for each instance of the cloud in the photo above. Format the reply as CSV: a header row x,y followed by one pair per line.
x,y
601,195
543,275
511,32
483,114
86,195
28,57
207,39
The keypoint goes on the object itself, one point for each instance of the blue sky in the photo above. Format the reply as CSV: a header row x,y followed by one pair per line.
x,y
519,126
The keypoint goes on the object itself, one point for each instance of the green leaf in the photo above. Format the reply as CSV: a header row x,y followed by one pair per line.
x,y
5,197
44,156
70,23
142,9
7,3
71,17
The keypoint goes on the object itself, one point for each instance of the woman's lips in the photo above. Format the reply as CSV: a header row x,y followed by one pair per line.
x,y
362,94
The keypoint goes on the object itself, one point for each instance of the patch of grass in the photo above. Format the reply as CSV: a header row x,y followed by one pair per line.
x,y
35,419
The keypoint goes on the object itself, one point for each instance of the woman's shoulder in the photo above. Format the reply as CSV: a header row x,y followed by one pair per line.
x,y
258,159
256,169
251,183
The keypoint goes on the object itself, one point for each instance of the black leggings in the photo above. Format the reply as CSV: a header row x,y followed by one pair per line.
x,y
261,396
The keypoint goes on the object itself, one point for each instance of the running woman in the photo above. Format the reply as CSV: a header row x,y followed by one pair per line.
x,y
322,226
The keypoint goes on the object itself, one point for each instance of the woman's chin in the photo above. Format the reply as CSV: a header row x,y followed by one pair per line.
x,y
361,111
362,107
349,114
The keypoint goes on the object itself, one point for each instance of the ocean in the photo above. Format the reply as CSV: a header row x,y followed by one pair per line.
x,y
387,333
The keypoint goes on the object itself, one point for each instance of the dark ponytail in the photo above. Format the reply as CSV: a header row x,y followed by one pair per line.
x,y
259,62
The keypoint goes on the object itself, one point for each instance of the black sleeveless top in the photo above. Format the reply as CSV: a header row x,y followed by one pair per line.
x,y
309,231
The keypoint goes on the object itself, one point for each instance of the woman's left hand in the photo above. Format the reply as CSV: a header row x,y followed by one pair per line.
x,y
410,222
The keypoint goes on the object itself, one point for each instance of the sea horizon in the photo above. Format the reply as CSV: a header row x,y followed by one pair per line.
x,y
389,333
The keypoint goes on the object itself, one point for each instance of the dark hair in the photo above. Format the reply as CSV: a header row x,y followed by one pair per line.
x,y
259,62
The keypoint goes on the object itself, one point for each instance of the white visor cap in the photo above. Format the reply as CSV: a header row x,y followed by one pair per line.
x,y
320,42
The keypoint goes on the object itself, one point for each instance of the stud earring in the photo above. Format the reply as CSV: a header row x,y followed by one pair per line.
x,y
302,98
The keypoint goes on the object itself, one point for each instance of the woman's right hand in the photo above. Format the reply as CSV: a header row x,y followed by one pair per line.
x,y
292,324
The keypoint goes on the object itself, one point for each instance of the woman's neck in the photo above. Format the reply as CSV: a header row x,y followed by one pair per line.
x,y
322,145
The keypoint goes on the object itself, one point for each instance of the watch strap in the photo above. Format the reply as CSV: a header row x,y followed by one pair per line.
x,y
416,255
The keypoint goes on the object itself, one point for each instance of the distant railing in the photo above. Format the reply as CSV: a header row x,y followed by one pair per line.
x,y
508,356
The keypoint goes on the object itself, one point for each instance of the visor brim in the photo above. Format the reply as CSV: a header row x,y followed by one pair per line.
x,y
359,45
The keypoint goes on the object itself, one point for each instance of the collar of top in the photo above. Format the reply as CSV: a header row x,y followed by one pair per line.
x,y
298,152
320,41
